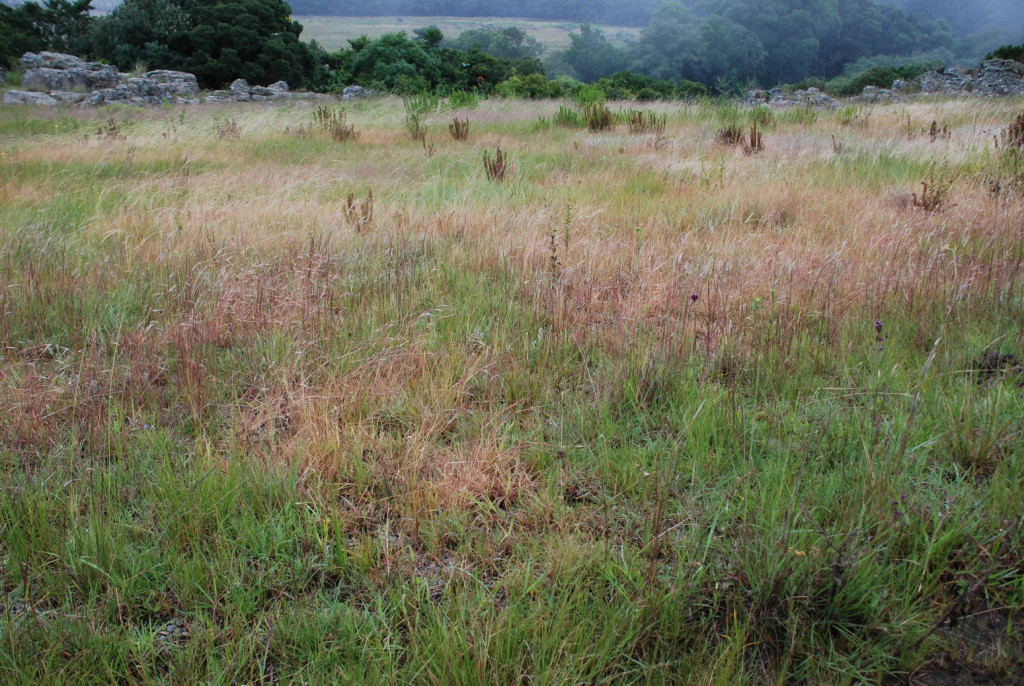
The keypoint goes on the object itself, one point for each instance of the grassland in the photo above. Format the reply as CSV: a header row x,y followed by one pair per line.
x,y
278,409
333,33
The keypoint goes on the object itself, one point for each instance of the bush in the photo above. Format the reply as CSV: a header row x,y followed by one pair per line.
x,y
624,85
463,100
1007,52
691,89
882,77
589,95
531,86
570,86
813,82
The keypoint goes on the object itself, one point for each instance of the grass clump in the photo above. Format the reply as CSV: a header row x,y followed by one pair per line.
x,y
568,117
459,129
598,117
641,122
497,167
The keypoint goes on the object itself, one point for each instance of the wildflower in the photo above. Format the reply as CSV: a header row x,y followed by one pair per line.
x,y
878,330
694,297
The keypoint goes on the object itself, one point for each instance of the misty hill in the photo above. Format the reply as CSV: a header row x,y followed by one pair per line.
x,y
762,39
966,18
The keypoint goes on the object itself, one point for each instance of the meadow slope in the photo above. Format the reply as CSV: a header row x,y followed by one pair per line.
x,y
276,408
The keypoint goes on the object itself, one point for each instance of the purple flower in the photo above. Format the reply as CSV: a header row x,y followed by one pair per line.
x,y
694,297
878,326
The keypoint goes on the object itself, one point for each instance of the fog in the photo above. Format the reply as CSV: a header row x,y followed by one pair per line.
x,y
967,17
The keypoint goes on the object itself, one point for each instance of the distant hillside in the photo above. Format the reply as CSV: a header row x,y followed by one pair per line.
x,y
597,11
101,6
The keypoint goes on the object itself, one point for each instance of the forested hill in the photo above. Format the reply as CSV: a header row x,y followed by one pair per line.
x,y
768,41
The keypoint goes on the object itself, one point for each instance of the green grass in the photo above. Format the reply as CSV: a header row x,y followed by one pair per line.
x,y
487,436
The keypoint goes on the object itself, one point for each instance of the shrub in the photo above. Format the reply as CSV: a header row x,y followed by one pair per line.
x,y
691,89
589,95
1007,52
881,77
463,100
531,86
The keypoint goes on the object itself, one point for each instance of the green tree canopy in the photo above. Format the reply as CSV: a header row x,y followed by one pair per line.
x,y
509,43
150,32
60,25
217,40
19,32
592,55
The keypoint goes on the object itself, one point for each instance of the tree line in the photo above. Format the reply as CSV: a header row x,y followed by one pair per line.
x,y
718,45
762,41
217,40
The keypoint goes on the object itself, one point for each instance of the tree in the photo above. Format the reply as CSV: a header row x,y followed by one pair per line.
x,y
431,35
510,43
670,46
19,32
254,39
396,62
59,25
729,52
65,25
217,40
592,55
149,32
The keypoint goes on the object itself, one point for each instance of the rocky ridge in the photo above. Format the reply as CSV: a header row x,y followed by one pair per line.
x,y
51,78
994,78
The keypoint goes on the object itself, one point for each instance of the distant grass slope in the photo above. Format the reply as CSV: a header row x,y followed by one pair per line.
x,y
334,32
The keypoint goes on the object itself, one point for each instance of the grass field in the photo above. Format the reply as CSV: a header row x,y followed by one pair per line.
x,y
333,33
280,409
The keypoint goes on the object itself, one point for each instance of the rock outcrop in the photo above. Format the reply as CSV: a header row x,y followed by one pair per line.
x,y
777,98
28,98
241,91
168,87
53,71
874,94
67,79
178,82
355,93
994,78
